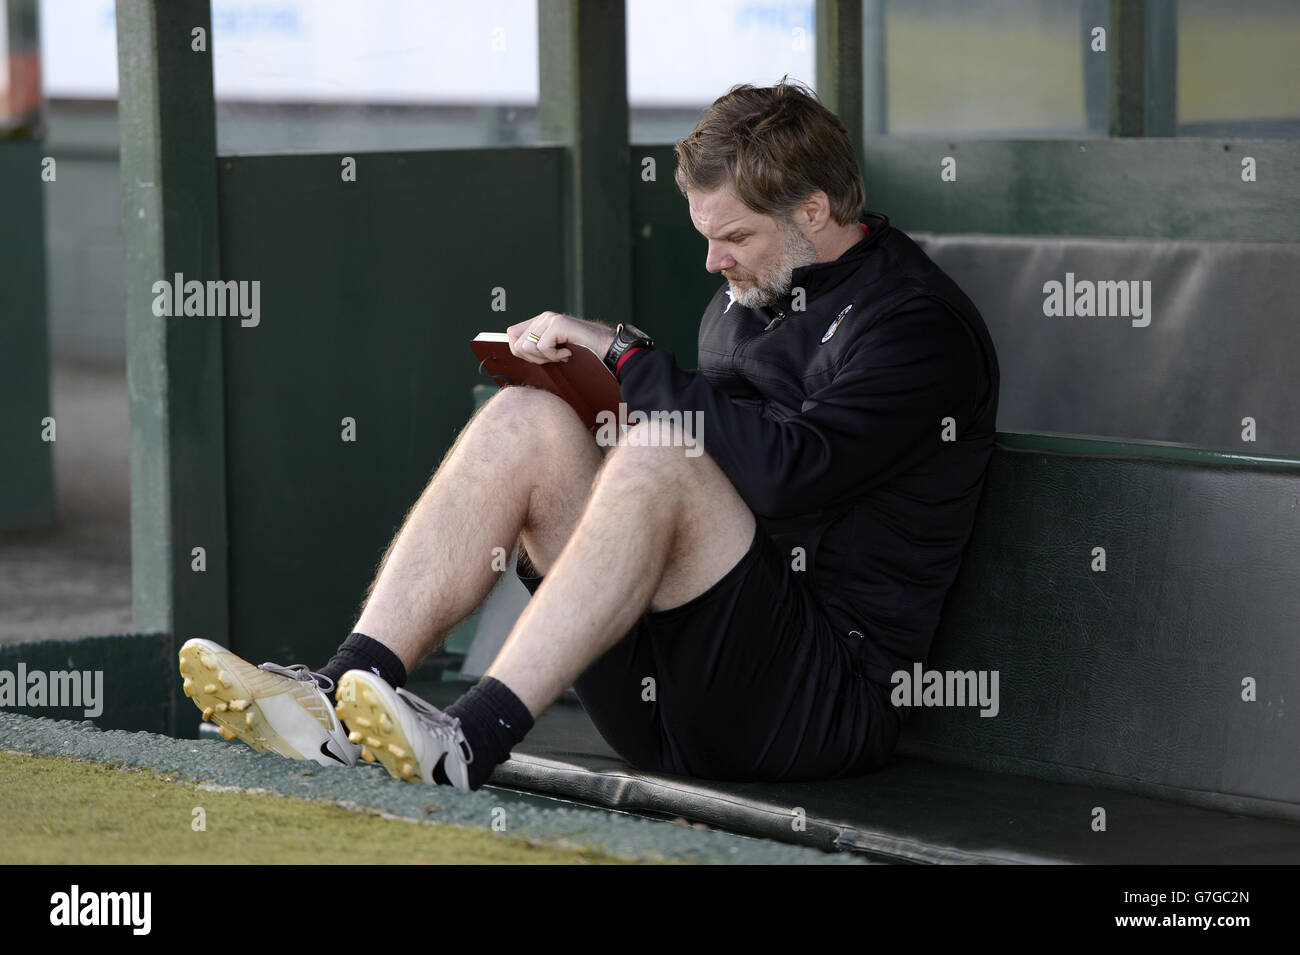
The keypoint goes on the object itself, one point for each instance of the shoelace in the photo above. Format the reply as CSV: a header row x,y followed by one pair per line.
x,y
444,726
301,673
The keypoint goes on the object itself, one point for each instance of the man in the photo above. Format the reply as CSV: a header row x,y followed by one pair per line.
x,y
733,614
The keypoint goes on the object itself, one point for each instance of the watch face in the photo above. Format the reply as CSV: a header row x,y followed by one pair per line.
x,y
631,331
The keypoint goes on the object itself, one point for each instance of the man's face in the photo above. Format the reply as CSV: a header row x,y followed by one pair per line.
x,y
755,253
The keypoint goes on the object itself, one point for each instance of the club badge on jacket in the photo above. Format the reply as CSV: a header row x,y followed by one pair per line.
x,y
835,324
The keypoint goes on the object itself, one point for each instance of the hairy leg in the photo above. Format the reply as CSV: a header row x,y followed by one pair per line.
x,y
658,529
524,463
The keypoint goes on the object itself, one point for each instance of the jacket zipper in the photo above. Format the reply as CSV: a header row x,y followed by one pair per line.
x,y
780,317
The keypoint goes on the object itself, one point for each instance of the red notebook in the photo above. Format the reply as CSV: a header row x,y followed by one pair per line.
x,y
583,380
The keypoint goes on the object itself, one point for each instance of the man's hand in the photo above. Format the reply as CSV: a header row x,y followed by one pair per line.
x,y
542,338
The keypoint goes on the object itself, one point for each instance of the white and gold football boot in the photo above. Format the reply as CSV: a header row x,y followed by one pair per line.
x,y
269,707
409,736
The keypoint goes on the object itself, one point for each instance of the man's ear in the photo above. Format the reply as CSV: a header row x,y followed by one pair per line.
x,y
814,213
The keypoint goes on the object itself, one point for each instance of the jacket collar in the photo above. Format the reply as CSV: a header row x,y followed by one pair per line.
x,y
821,276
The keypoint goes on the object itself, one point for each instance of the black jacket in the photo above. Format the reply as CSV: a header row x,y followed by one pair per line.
x,y
837,444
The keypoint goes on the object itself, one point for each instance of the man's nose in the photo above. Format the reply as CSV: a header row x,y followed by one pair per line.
x,y
717,261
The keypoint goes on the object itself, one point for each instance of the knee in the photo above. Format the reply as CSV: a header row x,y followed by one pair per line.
x,y
663,448
533,416
523,400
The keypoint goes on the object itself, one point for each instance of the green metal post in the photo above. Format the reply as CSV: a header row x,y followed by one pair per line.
x,y
27,428
875,83
1143,47
583,106
839,64
174,364
1094,14
1161,73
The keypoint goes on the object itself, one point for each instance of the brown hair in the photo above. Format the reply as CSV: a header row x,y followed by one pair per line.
x,y
774,146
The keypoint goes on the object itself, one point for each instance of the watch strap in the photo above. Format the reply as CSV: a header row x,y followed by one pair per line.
x,y
625,339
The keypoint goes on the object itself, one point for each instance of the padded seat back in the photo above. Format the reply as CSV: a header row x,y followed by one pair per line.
x,y
1221,343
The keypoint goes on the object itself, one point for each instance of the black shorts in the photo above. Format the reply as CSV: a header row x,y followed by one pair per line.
x,y
747,681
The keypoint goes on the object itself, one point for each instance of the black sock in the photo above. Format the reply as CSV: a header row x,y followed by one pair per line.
x,y
359,652
494,720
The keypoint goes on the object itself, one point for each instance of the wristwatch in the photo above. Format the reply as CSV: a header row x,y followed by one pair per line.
x,y
626,337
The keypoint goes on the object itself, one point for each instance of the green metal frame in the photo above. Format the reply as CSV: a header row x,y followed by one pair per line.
x,y
1090,446
27,477
839,64
174,369
1144,68
583,106
1167,188
625,247
1139,182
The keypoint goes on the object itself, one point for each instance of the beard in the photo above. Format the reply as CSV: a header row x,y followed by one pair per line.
x,y
768,285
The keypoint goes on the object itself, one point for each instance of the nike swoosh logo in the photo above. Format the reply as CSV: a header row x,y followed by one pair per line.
x,y
326,751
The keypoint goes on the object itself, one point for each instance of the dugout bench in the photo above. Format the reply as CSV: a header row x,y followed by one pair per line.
x,y
1149,697
1142,707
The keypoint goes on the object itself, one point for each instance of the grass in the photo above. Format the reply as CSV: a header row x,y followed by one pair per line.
x,y
64,811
